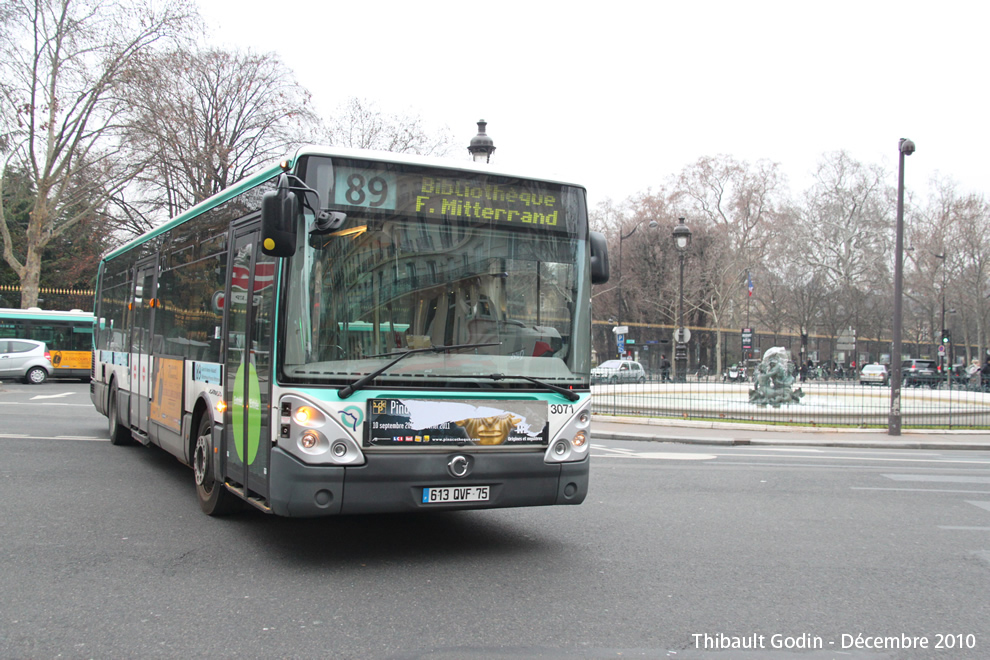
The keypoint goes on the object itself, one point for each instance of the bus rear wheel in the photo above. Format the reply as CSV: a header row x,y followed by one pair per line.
x,y
214,498
119,435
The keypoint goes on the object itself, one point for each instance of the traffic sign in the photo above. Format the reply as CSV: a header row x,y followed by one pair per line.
x,y
941,349
682,335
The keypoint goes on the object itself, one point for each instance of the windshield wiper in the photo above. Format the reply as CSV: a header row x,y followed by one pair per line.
x,y
570,395
348,390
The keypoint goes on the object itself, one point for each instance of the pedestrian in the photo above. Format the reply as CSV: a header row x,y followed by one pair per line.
x,y
985,374
974,374
664,368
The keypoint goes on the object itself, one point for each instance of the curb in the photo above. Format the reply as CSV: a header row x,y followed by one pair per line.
x,y
730,435
792,442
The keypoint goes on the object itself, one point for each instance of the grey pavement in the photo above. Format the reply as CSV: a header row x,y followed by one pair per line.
x,y
608,427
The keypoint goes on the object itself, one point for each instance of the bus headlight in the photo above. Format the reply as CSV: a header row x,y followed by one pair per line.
x,y
311,433
572,441
309,440
312,442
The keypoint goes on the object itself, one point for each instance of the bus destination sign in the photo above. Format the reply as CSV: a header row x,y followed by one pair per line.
x,y
521,203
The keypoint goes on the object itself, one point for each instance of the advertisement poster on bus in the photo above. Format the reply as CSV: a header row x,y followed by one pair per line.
x,y
166,399
406,422
71,359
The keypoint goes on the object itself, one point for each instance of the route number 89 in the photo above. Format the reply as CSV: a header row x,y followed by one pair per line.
x,y
364,188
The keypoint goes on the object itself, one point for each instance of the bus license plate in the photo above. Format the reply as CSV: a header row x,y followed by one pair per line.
x,y
455,494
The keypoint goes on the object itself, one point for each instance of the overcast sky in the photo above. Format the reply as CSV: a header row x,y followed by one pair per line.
x,y
618,96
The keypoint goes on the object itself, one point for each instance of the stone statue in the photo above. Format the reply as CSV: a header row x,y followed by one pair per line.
x,y
773,380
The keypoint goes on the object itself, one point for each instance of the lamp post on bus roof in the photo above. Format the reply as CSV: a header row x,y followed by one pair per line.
x,y
482,147
905,148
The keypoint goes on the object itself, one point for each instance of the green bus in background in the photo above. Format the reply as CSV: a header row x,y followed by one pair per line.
x,y
68,335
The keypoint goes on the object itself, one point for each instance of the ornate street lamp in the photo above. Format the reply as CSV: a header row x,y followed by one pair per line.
x,y
905,148
482,147
682,240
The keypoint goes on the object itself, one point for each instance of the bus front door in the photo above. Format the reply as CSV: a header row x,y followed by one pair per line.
x,y
142,343
250,311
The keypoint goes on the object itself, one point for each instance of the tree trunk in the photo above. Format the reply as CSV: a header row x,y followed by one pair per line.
x,y
31,276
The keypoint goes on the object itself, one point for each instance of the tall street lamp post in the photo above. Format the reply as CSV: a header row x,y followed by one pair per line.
x,y
905,148
622,301
682,240
946,346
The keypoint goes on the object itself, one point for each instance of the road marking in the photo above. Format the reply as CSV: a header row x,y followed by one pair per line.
x,y
938,478
51,396
960,528
662,455
858,452
926,490
983,505
810,451
47,403
18,436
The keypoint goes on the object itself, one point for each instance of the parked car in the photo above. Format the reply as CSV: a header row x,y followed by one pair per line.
x,y
874,374
618,371
26,359
916,373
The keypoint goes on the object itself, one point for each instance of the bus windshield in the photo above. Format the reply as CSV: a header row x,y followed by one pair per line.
x,y
442,260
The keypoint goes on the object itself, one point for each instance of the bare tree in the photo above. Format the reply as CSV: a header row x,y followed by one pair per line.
x,y
739,207
845,232
971,240
361,124
208,118
62,65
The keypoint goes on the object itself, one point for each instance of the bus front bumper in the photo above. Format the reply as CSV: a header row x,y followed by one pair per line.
x,y
389,483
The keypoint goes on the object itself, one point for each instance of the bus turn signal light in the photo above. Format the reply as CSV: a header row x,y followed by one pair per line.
x,y
304,414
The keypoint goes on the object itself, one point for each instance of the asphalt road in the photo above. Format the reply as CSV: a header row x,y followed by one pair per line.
x,y
678,552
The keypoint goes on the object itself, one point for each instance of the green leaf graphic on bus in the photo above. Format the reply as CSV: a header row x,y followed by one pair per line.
x,y
252,410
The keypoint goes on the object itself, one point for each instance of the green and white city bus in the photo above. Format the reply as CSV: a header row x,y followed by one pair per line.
x,y
358,332
67,335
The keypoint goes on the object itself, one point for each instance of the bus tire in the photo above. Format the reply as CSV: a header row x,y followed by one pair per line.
x,y
119,434
214,498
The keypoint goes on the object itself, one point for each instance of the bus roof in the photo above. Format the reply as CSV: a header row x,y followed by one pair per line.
x,y
428,161
207,204
314,150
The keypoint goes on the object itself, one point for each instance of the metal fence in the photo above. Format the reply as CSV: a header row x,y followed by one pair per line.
x,y
939,404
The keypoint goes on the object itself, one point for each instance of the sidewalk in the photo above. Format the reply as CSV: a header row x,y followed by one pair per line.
x,y
608,427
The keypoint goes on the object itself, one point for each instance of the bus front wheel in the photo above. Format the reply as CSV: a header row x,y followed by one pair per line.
x,y
214,498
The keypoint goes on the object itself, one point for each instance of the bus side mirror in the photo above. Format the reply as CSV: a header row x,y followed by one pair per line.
x,y
599,258
279,219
